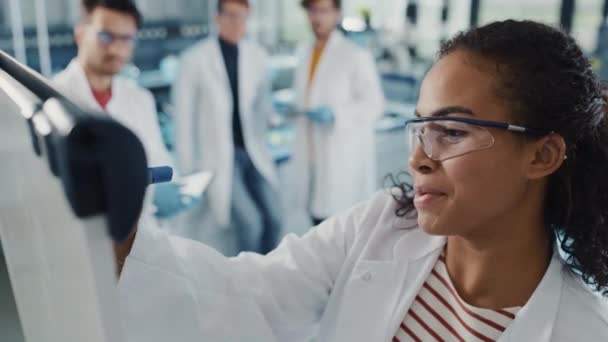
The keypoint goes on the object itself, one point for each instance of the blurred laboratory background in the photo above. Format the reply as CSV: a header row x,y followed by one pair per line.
x,y
403,37
402,34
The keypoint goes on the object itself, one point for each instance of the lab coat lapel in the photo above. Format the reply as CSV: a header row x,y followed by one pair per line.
x,y
83,95
116,102
379,292
246,82
368,292
536,319
301,76
323,73
420,252
415,256
220,73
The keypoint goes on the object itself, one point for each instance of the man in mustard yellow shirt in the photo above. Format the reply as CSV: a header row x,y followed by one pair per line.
x,y
338,88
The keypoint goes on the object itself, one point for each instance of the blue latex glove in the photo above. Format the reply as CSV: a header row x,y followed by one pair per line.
x,y
283,108
321,115
170,202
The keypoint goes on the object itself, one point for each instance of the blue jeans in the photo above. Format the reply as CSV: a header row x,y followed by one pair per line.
x,y
256,211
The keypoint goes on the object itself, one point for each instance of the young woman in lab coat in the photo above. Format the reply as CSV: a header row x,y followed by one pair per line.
x,y
503,235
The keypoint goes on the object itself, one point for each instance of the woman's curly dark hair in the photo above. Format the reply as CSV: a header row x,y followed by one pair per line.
x,y
550,83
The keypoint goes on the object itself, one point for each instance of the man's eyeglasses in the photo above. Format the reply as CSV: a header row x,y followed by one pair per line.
x,y
443,138
107,38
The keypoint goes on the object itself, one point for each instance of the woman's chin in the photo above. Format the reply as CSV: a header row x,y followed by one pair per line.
x,y
432,225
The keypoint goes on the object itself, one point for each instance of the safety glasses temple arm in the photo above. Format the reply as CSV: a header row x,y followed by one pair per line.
x,y
483,123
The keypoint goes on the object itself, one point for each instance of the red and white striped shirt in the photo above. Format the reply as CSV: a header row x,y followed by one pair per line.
x,y
439,314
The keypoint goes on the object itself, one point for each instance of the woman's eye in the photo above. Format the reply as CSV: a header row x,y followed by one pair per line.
x,y
452,136
456,133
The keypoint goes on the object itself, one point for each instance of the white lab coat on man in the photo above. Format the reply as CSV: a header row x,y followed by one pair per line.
x,y
353,278
203,119
130,105
339,160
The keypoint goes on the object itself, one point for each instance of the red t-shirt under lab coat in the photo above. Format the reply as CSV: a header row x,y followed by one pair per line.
x,y
102,97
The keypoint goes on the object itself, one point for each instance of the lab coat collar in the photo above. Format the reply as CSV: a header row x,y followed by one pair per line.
x,y
244,76
415,243
216,39
82,85
541,308
414,256
335,38
219,64
323,74
535,321
215,42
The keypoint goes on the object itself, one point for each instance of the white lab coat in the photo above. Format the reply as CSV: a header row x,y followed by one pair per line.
x,y
203,118
130,105
353,278
340,159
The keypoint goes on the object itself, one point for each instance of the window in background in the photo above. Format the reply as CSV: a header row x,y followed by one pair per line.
x,y
430,30
386,15
294,24
458,16
354,7
169,28
6,37
265,22
546,11
161,10
26,12
587,20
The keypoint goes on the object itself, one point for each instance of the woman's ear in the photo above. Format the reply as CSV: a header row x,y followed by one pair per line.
x,y
547,156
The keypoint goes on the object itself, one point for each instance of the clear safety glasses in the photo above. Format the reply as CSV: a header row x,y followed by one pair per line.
x,y
443,138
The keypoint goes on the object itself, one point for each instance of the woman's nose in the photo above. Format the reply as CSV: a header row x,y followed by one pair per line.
x,y
419,161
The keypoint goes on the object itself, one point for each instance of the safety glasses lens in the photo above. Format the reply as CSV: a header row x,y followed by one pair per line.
x,y
442,140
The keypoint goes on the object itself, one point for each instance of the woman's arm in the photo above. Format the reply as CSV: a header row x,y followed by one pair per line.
x,y
280,296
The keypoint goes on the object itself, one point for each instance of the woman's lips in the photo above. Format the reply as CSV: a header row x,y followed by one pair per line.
x,y
426,197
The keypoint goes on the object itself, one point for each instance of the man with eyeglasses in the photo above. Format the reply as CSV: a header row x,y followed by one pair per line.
x,y
223,105
105,36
